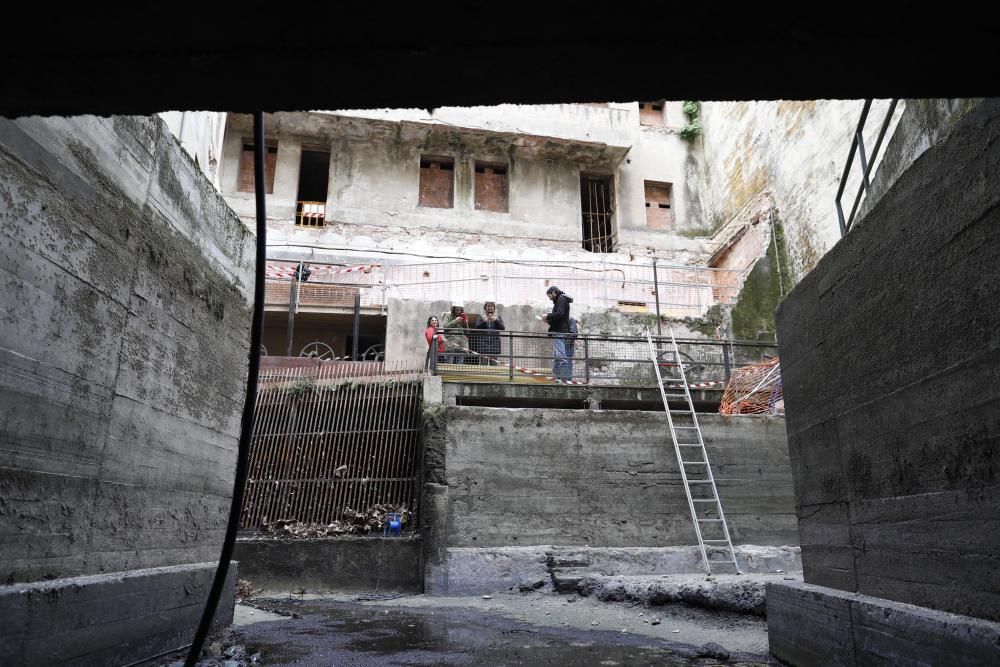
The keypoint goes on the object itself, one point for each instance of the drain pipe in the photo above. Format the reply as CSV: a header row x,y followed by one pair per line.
x,y
246,426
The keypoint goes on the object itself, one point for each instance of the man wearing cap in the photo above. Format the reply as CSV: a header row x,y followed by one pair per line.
x,y
558,321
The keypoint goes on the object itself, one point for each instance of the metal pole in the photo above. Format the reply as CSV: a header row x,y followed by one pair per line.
x,y
510,353
357,325
656,292
586,360
726,363
293,305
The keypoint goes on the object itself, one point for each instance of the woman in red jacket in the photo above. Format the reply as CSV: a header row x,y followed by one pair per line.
x,y
433,327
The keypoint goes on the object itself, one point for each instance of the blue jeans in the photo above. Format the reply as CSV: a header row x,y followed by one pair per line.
x,y
562,367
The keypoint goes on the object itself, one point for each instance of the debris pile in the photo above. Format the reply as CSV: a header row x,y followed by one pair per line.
x,y
372,520
244,589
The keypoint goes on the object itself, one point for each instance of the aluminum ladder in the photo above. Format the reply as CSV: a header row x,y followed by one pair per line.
x,y
701,492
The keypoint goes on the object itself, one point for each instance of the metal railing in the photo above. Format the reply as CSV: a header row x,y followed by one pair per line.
x,y
516,356
866,162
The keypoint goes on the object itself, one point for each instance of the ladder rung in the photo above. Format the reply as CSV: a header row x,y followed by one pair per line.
x,y
686,428
688,444
720,541
695,463
703,500
710,520
699,481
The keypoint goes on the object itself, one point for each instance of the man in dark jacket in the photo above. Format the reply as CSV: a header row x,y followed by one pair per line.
x,y
558,321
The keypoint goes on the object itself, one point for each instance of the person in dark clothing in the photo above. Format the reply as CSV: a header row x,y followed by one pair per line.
x,y
486,339
306,272
558,321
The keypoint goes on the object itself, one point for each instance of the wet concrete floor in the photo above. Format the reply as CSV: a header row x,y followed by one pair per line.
x,y
344,633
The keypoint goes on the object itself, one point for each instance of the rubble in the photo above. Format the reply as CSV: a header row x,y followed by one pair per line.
x,y
244,589
372,520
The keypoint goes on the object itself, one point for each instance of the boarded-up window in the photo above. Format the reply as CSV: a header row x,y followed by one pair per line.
x,y
659,211
491,187
246,183
651,113
437,182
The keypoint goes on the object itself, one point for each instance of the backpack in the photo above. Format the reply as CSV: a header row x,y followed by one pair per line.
x,y
572,329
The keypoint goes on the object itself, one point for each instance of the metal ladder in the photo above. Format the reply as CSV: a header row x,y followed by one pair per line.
x,y
699,466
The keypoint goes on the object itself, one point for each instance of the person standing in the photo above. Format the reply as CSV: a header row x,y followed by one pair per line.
x,y
558,321
433,328
456,323
487,335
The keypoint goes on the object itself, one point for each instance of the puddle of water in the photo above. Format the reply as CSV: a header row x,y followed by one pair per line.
x,y
345,634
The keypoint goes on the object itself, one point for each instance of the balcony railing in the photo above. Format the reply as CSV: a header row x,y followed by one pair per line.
x,y
524,357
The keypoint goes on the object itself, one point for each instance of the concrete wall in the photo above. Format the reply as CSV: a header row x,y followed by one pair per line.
x,y
123,349
108,619
890,354
200,134
795,149
517,477
389,564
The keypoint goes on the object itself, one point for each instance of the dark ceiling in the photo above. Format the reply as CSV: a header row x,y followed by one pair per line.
x,y
157,56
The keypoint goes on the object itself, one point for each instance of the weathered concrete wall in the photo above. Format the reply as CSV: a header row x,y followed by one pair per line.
x,y
922,124
604,478
890,354
815,625
201,134
797,151
108,619
391,564
123,354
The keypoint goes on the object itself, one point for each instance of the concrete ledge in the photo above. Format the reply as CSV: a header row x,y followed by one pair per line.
x,y
107,619
815,625
477,570
392,564
740,593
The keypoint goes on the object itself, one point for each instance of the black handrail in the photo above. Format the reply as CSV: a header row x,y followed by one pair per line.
x,y
866,162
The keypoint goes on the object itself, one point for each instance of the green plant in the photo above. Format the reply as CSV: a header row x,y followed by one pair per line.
x,y
301,386
693,128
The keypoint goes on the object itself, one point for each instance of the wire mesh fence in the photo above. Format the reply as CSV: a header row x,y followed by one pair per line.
x,y
333,438
677,291
513,356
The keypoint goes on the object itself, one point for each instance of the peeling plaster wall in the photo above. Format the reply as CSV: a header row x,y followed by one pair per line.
x,y
795,149
374,179
123,349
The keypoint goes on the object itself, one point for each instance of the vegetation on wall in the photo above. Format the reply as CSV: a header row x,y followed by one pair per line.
x,y
693,127
765,287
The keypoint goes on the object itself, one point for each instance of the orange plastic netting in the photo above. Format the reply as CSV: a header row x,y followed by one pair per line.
x,y
754,389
